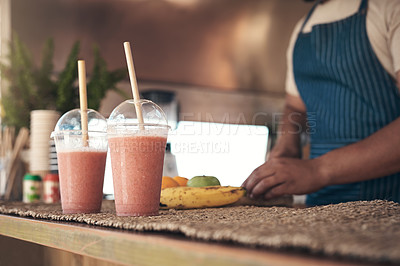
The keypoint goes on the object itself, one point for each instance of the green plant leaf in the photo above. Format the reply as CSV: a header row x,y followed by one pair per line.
x,y
46,87
101,80
30,87
67,93
19,98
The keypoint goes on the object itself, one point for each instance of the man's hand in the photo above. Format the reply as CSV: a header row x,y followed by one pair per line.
x,y
282,176
279,175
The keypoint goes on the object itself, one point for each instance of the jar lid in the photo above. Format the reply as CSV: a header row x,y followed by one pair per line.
x,y
51,177
32,177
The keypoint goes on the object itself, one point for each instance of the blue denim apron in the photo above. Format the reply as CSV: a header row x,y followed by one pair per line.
x,y
348,95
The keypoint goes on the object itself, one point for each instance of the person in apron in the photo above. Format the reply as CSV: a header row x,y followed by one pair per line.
x,y
350,106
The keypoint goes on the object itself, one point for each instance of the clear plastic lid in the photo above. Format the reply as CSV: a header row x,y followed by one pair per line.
x,y
125,114
72,121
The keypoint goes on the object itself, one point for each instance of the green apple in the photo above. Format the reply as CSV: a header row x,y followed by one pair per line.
x,y
203,181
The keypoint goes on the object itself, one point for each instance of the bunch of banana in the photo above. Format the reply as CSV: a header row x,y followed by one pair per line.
x,y
199,197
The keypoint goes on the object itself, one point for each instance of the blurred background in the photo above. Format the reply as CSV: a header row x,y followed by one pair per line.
x,y
210,61
223,56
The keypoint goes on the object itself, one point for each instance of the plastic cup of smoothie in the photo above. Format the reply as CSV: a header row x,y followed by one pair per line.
x,y
81,161
137,156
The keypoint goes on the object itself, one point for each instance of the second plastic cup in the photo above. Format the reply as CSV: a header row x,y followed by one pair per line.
x,y
81,163
137,157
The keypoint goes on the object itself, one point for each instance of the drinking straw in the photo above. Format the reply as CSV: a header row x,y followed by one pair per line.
x,y
83,101
1,143
12,135
20,142
134,86
7,140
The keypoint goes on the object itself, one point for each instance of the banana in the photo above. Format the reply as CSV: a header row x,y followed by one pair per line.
x,y
199,197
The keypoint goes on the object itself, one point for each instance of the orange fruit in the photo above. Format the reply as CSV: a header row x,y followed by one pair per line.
x,y
181,180
168,182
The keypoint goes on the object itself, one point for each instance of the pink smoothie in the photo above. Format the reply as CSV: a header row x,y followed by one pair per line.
x,y
137,165
81,180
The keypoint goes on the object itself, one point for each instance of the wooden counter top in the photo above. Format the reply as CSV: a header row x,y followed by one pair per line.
x,y
124,247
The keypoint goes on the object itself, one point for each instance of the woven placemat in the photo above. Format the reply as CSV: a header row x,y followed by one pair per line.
x,y
363,230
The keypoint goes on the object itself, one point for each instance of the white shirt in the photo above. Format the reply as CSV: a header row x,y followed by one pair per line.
x,y
383,29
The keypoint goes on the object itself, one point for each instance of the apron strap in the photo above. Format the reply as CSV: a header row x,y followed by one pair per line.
x,y
363,6
309,15
362,9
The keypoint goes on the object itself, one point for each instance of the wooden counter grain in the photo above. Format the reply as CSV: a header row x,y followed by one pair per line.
x,y
122,247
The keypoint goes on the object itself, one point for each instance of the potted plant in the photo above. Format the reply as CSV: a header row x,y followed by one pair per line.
x,y
31,87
